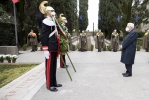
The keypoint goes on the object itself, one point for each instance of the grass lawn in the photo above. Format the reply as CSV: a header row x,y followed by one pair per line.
x,y
9,72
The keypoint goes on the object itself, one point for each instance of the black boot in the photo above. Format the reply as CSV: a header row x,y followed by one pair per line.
x,y
53,89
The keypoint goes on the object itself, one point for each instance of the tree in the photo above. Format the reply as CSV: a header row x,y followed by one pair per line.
x,y
108,13
125,9
83,15
111,9
7,36
69,9
26,14
140,13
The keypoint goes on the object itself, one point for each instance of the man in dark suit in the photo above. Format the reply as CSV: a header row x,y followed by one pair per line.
x,y
129,49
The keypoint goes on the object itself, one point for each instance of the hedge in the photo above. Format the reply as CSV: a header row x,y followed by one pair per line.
x,y
7,35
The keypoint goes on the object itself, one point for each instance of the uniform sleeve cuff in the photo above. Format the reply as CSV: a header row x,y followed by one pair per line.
x,y
44,48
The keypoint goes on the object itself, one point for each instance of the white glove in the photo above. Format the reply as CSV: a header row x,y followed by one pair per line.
x,y
46,54
121,47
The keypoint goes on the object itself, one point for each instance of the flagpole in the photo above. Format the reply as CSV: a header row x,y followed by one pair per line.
x,y
93,28
15,24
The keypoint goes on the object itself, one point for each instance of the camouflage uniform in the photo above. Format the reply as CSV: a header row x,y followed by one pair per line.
x,y
146,41
99,41
115,41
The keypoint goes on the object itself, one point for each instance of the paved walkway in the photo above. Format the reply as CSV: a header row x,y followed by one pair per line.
x,y
98,77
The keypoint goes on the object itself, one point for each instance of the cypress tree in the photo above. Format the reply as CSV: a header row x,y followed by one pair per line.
x,y
83,15
69,9
111,9
109,14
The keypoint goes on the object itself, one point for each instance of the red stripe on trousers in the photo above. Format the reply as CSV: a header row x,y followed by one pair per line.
x,y
48,67
61,62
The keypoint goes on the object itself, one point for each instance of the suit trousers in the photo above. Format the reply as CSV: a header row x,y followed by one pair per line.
x,y
51,67
128,68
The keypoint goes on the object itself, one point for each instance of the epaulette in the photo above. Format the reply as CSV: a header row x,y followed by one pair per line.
x,y
146,33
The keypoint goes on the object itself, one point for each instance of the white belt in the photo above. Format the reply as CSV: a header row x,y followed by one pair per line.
x,y
53,33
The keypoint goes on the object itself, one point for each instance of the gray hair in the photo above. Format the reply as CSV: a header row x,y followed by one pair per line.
x,y
131,25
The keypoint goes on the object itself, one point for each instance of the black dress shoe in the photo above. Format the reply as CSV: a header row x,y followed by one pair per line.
x,y
124,73
127,75
53,89
58,85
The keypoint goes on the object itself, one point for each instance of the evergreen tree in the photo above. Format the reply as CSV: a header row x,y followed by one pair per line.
x,y
111,9
140,13
26,14
69,9
83,15
108,13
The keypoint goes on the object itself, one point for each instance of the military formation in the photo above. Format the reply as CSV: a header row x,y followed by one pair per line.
x,y
114,42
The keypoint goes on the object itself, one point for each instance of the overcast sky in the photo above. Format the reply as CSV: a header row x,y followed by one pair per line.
x,y
93,14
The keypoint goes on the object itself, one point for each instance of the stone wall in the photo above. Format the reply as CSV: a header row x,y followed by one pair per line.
x,y
13,50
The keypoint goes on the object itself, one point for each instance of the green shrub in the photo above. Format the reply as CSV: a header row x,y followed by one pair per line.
x,y
24,47
104,48
140,42
7,34
109,48
140,34
73,47
138,48
92,47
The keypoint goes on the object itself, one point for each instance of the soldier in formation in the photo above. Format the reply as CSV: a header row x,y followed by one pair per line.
x,y
146,41
115,41
83,42
99,41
